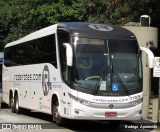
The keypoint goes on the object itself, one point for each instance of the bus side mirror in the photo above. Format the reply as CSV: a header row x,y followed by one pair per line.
x,y
69,54
150,56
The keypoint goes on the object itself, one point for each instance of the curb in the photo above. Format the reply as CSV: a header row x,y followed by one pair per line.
x,y
156,130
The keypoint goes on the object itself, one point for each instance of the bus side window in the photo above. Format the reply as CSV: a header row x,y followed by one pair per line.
x,y
63,37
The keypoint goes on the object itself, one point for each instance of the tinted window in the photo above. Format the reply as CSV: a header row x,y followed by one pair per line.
x,y
42,50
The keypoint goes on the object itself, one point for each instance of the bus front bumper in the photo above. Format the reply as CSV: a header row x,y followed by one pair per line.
x,y
83,112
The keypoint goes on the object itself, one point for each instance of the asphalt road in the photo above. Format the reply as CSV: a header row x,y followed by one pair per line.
x,y
42,122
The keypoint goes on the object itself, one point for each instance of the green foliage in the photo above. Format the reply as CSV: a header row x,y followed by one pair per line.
x,y
21,17
29,15
114,11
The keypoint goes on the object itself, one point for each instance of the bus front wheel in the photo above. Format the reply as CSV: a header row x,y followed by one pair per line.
x,y
56,115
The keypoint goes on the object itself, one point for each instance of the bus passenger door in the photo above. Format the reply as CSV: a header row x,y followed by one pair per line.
x,y
63,37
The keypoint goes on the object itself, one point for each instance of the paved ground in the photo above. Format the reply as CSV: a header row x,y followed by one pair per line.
x,y
147,123
39,120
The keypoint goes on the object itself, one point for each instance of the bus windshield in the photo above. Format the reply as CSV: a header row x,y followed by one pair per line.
x,y
108,65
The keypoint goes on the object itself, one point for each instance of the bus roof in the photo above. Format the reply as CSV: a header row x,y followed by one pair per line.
x,y
37,34
93,30
82,29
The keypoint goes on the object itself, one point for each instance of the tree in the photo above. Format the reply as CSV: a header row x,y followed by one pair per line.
x,y
5,10
21,17
114,11
27,16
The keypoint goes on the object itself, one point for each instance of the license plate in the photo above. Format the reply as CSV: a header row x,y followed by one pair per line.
x,y
110,114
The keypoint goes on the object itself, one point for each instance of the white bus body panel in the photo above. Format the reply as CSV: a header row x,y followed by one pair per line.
x,y
97,113
72,108
27,80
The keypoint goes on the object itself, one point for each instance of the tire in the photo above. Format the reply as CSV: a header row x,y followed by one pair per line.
x,y
56,118
17,107
12,104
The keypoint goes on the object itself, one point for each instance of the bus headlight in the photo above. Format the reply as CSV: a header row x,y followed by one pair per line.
x,y
136,102
84,102
79,100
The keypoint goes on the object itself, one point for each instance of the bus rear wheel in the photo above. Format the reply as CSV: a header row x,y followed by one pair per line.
x,y
12,104
17,107
56,115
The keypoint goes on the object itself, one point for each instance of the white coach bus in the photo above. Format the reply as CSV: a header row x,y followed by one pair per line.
x,y
75,70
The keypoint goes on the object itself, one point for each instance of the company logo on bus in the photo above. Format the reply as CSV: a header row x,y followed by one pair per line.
x,y
101,27
45,80
111,106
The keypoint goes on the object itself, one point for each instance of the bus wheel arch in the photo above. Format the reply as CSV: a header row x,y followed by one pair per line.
x,y
55,111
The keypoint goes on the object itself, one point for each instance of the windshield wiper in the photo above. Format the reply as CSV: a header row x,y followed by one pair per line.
x,y
119,78
99,82
136,68
97,88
